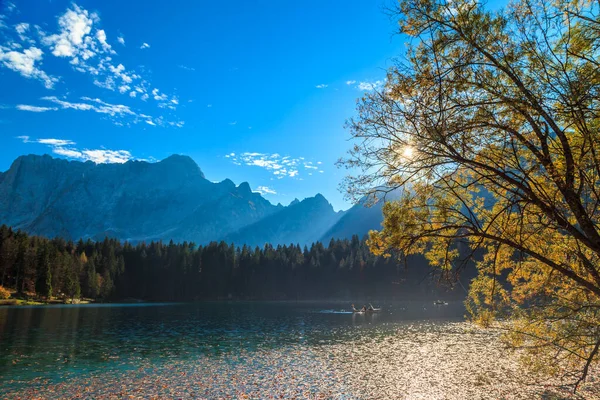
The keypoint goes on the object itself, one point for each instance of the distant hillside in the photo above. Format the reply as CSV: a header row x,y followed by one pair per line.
x,y
301,222
170,199
360,219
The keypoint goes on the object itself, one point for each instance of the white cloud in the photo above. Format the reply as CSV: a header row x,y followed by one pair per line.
x,y
321,86
10,7
25,107
157,96
145,46
21,29
80,40
101,36
280,166
26,63
107,156
66,148
118,72
233,123
55,142
70,153
368,86
185,67
74,38
117,112
350,82
264,190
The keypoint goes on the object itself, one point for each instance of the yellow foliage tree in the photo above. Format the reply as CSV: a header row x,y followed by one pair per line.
x,y
4,294
490,125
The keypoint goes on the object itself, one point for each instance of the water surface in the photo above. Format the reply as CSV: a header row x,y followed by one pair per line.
x,y
51,344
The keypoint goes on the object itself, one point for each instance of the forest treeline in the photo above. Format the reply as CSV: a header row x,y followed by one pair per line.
x,y
110,270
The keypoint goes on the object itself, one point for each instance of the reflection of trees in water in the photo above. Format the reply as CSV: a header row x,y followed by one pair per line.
x,y
58,341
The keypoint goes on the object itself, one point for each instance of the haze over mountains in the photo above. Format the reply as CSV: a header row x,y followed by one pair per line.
x,y
166,200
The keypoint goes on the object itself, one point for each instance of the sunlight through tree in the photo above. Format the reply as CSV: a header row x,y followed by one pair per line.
x,y
490,126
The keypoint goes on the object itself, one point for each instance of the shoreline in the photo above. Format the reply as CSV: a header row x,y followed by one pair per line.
x,y
29,302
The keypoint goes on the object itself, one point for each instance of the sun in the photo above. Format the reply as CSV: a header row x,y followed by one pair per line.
x,y
408,152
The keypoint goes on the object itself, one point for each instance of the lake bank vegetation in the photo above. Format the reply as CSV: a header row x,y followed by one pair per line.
x,y
54,270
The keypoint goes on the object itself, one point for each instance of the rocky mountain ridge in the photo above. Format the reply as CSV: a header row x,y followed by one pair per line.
x,y
167,200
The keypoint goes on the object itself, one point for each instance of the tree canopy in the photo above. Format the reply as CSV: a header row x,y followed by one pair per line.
x,y
109,270
490,124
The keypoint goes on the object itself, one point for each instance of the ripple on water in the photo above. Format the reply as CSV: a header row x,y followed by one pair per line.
x,y
282,353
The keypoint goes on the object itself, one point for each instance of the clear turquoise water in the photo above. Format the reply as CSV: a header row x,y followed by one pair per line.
x,y
56,343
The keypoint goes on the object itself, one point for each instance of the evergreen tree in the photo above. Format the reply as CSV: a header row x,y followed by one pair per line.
x,y
43,283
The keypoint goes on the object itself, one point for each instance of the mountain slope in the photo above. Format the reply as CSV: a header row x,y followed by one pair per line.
x,y
301,222
141,201
170,199
362,217
358,220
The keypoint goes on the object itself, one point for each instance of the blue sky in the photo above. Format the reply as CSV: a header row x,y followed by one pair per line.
x,y
254,91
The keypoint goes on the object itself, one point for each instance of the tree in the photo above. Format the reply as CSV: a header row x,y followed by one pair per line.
x,y
43,283
490,126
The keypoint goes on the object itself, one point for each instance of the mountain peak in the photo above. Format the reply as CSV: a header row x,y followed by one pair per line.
x,y
179,158
244,187
294,202
228,183
319,199
186,163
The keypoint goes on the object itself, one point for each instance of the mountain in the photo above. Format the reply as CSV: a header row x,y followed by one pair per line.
x,y
142,201
364,216
301,222
358,220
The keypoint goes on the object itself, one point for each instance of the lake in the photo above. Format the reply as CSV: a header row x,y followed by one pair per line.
x,y
50,344
246,350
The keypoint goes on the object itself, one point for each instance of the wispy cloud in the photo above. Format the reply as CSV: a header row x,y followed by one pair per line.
x,y
145,46
280,166
264,190
25,107
367,85
121,40
56,142
185,67
66,148
118,113
321,86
